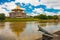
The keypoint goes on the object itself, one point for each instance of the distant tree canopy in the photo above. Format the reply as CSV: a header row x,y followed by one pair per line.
x,y
42,16
50,17
55,17
2,16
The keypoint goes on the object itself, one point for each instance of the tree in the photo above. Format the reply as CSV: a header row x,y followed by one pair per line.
x,y
42,16
55,17
50,17
2,17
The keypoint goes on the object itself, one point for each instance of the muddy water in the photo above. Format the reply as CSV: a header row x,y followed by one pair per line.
x,y
25,30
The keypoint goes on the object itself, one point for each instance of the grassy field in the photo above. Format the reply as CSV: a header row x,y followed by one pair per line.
x,y
19,19
28,19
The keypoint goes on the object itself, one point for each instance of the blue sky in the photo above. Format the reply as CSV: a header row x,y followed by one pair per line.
x,y
32,7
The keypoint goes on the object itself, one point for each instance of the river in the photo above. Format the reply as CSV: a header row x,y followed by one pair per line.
x,y
25,30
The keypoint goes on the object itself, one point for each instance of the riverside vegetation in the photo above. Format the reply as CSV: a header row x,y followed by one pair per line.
x,y
41,18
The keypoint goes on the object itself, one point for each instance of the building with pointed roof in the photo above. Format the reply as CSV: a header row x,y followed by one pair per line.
x,y
17,13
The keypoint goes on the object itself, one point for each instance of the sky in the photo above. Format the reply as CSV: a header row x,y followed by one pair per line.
x,y
31,7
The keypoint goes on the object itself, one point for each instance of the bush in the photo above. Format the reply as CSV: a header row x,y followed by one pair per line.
x,y
2,17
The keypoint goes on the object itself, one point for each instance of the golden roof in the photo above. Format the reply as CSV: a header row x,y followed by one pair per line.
x,y
17,7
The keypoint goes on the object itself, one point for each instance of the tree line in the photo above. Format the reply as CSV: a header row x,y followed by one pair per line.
x,y
42,16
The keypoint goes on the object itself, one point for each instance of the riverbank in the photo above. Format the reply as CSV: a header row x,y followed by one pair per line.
x,y
49,20
27,19
19,19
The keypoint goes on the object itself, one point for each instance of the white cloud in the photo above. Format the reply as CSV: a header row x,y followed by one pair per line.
x,y
58,13
38,10
3,11
49,3
50,13
9,6
41,11
33,2
32,14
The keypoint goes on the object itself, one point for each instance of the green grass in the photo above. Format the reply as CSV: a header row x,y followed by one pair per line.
x,y
27,19
19,19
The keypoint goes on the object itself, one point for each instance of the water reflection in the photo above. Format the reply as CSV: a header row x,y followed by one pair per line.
x,y
30,32
25,30
51,27
17,27
42,24
2,25
5,33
